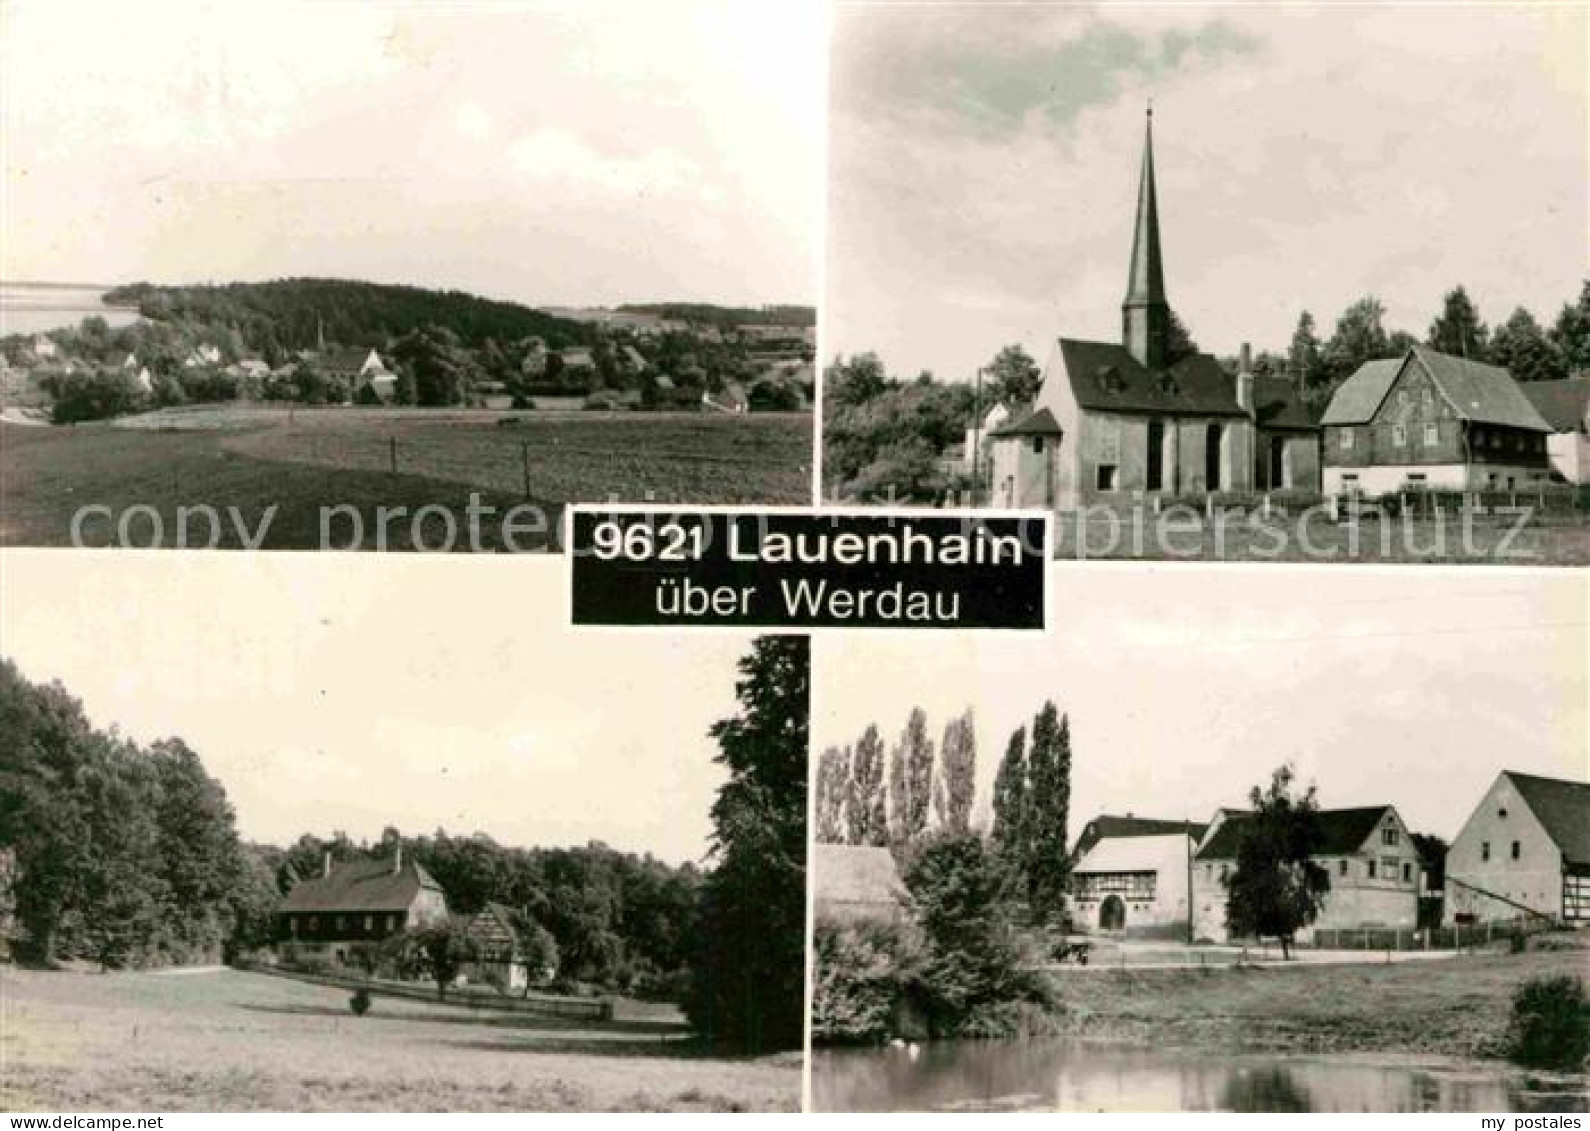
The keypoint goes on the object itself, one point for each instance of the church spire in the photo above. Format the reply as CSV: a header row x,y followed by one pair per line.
x,y
1145,315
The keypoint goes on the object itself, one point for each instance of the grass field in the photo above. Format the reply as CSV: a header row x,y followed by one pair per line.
x,y
226,1040
1454,1007
254,458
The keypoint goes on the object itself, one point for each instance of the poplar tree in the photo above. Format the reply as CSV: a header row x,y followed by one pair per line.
x,y
956,785
867,812
1049,774
1010,808
833,790
918,757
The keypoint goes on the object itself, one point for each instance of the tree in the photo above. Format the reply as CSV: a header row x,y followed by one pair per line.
x,y
538,950
957,781
1571,332
443,374
1179,342
1520,345
866,809
969,959
1010,808
1303,357
441,949
748,974
856,381
1277,887
1048,806
833,788
1360,336
1012,377
918,758
1457,330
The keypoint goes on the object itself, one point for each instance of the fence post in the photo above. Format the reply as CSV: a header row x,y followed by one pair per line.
x,y
524,460
392,452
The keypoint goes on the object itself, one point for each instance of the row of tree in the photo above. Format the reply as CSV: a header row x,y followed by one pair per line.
x,y
856,804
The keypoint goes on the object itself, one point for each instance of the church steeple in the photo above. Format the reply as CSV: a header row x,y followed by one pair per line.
x,y
1145,315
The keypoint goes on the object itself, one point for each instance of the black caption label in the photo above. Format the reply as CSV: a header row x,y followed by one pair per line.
x,y
807,569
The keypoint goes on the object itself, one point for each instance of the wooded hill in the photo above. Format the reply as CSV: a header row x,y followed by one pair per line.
x,y
727,317
287,314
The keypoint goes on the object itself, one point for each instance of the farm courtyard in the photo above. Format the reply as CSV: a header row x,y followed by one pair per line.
x,y
226,1040
299,461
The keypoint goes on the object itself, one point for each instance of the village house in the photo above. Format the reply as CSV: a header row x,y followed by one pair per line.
x,y
1524,851
1116,421
1430,420
1376,872
1132,875
855,883
500,957
356,901
202,355
1565,407
361,368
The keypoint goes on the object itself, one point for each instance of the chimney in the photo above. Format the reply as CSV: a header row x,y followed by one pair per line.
x,y
1245,379
397,859
325,868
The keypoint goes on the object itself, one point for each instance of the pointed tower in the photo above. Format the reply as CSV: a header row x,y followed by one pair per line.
x,y
1145,315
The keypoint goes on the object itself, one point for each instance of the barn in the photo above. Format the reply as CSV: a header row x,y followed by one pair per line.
x,y
1524,851
355,902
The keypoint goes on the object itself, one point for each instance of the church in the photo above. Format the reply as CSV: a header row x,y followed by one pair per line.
x,y
1113,422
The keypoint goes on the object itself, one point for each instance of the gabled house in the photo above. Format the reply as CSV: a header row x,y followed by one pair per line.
x,y
1133,875
1117,421
357,901
856,883
501,954
1523,852
1565,407
1376,872
1430,420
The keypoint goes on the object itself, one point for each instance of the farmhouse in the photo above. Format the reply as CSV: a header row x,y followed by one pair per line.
x,y
357,901
855,883
1428,419
1565,407
1132,875
1525,850
501,958
1114,421
1375,871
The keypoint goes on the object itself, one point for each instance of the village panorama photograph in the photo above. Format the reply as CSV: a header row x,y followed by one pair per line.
x,y
380,276
1265,839
1253,282
280,838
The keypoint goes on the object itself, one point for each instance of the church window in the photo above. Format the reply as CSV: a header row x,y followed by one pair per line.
x,y
1106,480
1154,479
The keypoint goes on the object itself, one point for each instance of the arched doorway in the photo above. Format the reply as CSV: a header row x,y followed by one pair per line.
x,y
1112,914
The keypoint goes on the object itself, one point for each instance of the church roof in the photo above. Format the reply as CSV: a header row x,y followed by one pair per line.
x,y
1105,376
1145,282
1342,832
1276,404
1563,807
1564,405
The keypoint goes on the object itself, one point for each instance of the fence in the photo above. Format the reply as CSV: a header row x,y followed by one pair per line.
x,y
537,1005
1545,501
1456,937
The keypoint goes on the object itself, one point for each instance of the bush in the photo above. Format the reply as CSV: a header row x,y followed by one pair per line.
x,y
860,971
1551,1023
359,1002
95,396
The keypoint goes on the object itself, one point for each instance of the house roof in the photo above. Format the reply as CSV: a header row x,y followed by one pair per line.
x,y
361,885
1105,826
1342,832
848,873
1358,398
1040,423
1133,853
1484,393
1563,405
1563,807
1105,376
1276,404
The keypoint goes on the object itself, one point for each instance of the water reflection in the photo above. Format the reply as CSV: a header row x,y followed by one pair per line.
x,y
1076,1076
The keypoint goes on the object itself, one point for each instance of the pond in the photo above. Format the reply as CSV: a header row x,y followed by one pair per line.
x,y
1071,1075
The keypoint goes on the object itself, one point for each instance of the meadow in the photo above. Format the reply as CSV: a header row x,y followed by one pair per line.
x,y
300,460
226,1040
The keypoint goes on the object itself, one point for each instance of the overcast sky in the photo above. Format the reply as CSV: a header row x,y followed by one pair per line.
x,y
554,154
984,165
1186,687
389,690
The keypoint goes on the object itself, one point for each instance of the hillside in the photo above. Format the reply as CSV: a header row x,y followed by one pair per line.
x,y
296,312
727,317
